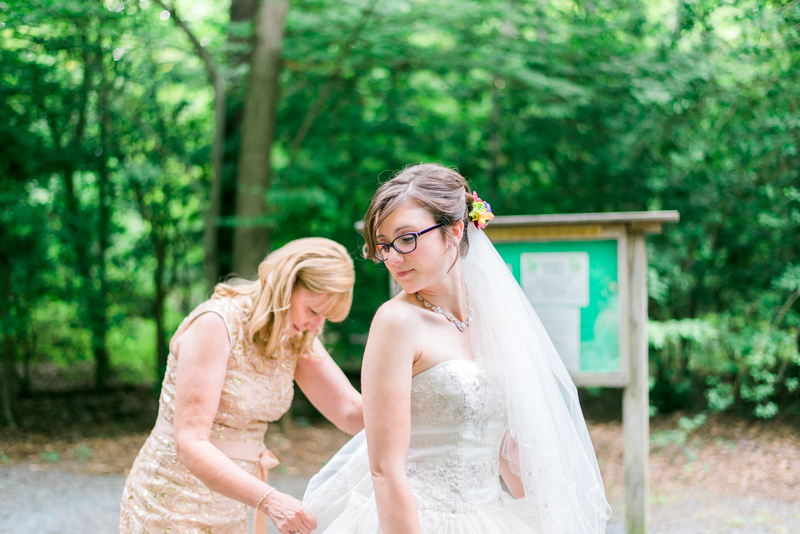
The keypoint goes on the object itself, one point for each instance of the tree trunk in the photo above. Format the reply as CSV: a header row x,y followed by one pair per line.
x,y
218,77
29,355
241,12
158,218
7,388
252,237
211,229
94,294
98,307
7,372
162,351
240,44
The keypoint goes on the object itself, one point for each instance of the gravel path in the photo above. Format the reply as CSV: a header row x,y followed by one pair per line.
x,y
58,502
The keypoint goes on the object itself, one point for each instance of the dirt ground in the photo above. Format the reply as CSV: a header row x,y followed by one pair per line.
x,y
730,475
302,451
727,455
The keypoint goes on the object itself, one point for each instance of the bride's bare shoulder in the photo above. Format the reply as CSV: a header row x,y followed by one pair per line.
x,y
396,312
392,346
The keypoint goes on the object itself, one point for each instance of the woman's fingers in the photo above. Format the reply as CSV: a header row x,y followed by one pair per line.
x,y
293,527
308,521
288,515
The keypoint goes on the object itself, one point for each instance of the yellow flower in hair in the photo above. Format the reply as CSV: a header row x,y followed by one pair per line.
x,y
481,212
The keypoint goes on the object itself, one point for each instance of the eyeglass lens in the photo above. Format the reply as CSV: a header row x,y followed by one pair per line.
x,y
403,244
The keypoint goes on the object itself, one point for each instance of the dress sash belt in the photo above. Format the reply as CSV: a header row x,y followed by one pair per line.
x,y
235,450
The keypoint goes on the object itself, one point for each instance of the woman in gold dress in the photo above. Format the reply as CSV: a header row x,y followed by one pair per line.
x,y
230,371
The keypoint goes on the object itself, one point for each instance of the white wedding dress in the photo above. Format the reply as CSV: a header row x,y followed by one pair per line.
x,y
516,397
458,420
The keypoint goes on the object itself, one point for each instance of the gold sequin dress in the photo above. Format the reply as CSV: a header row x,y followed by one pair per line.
x,y
161,495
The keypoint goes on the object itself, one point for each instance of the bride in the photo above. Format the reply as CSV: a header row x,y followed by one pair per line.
x,y
461,385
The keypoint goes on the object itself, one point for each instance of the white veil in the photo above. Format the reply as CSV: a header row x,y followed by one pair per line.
x,y
547,443
549,449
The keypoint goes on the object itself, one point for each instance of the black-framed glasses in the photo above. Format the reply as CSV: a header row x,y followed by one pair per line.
x,y
404,244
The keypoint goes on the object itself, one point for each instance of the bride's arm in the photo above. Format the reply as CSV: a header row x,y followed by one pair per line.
x,y
386,387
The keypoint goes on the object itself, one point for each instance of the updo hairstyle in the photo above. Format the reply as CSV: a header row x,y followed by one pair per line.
x,y
443,192
317,264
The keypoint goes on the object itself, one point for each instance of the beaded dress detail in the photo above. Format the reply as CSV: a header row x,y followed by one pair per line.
x,y
161,495
457,425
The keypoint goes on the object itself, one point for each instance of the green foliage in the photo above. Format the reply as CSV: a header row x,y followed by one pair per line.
x,y
677,436
545,107
82,453
49,456
132,348
721,361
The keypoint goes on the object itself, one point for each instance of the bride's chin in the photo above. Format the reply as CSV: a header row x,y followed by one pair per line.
x,y
412,286
409,288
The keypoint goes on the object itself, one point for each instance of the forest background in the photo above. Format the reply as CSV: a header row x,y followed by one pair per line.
x,y
149,147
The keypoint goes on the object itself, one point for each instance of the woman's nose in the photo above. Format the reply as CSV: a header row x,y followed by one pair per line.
x,y
393,256
315,323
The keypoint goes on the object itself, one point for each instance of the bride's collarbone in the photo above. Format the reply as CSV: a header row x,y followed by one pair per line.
x,y
439,345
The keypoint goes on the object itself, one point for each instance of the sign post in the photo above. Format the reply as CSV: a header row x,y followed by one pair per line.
x,y
586,276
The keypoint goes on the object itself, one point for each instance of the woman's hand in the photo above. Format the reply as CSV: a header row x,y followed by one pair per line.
x,y
287,514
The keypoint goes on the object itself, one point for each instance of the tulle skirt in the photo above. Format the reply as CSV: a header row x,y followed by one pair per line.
x,y
342,500
360,516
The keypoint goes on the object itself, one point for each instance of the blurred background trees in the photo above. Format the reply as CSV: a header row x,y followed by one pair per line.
x,y
133,134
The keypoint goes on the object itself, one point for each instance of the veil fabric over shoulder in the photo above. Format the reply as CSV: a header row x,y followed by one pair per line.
x,y
547,442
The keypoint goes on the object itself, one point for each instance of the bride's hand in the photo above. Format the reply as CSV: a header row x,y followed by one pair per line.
x,y
287,514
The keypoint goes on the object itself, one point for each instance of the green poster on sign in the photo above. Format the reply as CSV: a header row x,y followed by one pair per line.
x,y
574,288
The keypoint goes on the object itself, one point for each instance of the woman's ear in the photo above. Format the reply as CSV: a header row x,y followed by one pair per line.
x,y
457,231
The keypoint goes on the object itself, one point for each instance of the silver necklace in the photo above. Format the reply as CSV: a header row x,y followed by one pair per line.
x,y
461,325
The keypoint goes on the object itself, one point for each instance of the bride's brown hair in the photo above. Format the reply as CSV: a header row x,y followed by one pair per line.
x,y
443,192
317,264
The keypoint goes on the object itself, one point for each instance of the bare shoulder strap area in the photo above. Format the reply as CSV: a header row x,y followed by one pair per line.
x,y
226,309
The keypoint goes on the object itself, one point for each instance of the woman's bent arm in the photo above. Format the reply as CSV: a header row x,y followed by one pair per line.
x,y
513,482
386,386
202,352
329,390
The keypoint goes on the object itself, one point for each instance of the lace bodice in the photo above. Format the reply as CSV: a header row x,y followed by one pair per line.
x,y
458,421
161,495
256,390
457,425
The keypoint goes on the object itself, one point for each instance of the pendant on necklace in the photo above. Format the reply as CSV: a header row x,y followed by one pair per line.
x,y
461,325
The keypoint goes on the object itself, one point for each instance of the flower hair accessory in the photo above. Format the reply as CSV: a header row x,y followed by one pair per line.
x,y
481,212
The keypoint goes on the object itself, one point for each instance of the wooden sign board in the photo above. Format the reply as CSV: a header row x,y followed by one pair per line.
x,y
579,291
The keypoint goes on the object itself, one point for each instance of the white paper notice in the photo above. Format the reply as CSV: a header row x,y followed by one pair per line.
x,y
555,278
563,325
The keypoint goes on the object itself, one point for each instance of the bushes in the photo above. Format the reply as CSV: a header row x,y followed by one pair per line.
x,y
724,361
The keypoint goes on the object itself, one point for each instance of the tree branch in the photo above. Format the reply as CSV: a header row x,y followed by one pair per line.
x,y
218,80
327,87
208,61
785,308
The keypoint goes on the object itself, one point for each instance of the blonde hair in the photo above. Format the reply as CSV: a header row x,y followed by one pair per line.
x,y
317,264
443,192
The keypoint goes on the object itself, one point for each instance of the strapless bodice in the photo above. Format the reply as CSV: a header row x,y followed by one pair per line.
x,y
458,419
